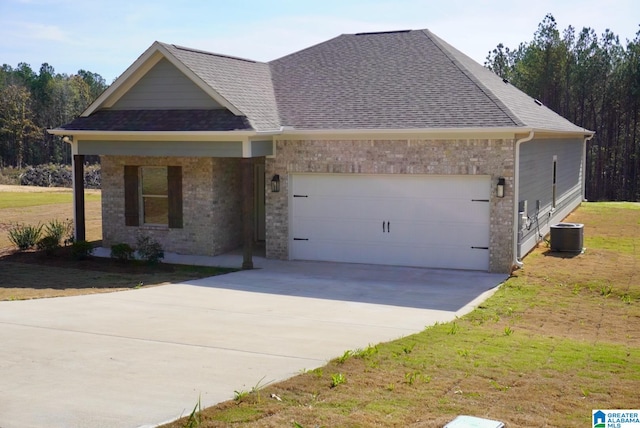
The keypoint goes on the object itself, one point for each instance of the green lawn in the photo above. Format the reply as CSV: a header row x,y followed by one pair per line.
x,y
35,206
30,199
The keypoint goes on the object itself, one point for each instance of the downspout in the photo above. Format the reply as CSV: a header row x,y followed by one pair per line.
x,y
516,196
584,167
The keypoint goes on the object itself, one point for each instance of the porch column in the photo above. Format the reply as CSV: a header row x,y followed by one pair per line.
x,y
247,212
78,197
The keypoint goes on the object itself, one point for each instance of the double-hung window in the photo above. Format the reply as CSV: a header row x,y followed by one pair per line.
x,y
153,196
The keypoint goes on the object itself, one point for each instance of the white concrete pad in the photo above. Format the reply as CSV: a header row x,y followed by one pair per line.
x,y
142,357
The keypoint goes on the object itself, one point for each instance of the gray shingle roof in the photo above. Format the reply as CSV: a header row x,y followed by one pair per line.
x,y
385,80
160,120
396,80
524,109
244,83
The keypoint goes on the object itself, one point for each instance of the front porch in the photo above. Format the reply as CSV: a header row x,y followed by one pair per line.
x,y
221,202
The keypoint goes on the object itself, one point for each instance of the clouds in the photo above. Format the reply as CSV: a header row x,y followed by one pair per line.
x,y
43,32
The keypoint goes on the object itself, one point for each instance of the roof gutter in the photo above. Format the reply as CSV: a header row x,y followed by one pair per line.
x,y
516,196
439,133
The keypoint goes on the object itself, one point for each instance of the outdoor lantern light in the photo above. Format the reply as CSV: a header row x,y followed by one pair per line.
x,y
275,183
500,188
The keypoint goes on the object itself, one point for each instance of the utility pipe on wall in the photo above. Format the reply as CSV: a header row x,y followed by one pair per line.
x,y
516,196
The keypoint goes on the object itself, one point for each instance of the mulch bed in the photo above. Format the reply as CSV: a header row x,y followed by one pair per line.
x,y
62,258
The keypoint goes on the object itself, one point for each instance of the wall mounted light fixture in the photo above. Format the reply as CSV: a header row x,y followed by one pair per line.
x,y
275,183
500,187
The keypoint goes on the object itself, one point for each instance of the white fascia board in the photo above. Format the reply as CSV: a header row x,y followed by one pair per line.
x,y
126,80
443,133
440,133
199,82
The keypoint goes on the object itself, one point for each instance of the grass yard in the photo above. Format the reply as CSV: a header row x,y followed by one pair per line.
x,y
561,337
33,205
29,275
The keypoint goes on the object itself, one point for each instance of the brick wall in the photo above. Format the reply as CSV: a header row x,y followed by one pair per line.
x,y
211,205
406,156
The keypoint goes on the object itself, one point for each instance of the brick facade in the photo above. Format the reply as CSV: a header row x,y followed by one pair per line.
x,y
212,205
493,157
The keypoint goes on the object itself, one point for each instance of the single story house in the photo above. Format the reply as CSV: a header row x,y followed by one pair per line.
x,y
386,148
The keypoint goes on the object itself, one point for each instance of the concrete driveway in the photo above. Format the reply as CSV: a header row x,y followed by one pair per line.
x,y
143,357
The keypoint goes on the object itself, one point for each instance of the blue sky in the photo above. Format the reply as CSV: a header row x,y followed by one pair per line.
x,y
106,36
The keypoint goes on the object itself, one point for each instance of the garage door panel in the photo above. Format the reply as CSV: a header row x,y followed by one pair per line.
x,y
452,210
456,212
427,221
316,228
340,207
439,233
447,257
346,251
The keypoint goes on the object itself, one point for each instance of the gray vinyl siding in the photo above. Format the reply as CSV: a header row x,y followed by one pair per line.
x,y
165,87
218,149
261,148
536,183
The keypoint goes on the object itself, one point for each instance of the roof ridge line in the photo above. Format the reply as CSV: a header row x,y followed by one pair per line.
x,y
203,52
375,33
490,95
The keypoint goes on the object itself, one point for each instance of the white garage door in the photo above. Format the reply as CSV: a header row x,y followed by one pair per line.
x,y
403,220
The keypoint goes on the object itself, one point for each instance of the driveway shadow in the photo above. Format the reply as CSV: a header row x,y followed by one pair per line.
x,y
438,289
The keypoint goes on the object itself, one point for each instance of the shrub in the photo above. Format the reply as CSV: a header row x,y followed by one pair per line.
x,y
122,252
60,230
25,236
49,175
149,250
92,176
10,175
49,244
81,250
54,175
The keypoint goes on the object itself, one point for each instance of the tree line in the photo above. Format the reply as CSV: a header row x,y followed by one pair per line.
x,y
594,81
32,102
